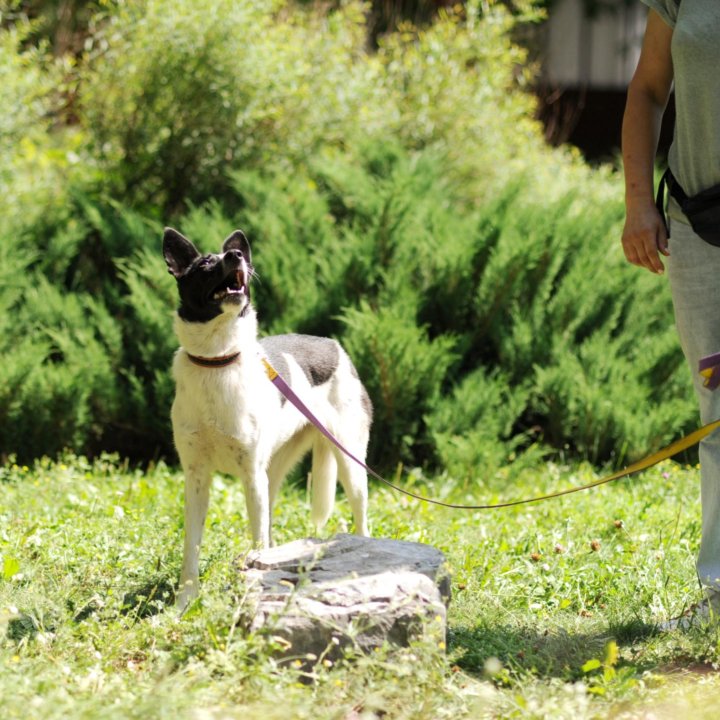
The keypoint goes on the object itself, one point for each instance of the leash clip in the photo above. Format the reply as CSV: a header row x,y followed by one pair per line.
x,y
709,368
271,372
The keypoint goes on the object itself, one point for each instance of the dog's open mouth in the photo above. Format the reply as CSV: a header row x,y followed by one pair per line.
x,y
231,288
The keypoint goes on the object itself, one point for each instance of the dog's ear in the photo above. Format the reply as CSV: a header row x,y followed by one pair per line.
x,y
238,241
179,252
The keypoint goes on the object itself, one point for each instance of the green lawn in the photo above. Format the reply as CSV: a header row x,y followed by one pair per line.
x,y
552,613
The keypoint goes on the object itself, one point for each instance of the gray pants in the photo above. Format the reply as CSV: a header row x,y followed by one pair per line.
x,y
694,273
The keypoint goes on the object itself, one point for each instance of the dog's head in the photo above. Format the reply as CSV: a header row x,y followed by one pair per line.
x,y
209,285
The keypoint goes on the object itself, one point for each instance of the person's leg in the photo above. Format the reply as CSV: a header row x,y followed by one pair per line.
x,y
694,273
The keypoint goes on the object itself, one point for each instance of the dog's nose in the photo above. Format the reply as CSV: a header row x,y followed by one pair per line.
x,y
233,255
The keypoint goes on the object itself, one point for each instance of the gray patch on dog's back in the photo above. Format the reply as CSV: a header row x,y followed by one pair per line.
x,y
366,402
317,356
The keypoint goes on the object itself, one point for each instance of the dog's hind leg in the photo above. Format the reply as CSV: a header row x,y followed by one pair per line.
x,y
324,481
283,462
197,494
353,479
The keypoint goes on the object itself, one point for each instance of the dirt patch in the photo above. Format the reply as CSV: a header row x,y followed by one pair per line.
x,y
680,668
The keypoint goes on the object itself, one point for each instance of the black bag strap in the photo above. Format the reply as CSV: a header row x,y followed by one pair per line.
x,y
668,181
660,197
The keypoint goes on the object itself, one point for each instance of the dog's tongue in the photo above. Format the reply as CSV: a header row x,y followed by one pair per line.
x,y
239,278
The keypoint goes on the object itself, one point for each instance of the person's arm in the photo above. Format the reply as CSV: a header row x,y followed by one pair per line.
x,y
644,236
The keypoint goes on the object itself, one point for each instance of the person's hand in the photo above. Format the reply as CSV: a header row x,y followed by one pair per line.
x,y
644,238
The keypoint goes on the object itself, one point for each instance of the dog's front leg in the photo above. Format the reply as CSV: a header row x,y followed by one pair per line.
x,y
257,498
197,494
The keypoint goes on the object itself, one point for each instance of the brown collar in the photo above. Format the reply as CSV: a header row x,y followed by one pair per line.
x,y
215,362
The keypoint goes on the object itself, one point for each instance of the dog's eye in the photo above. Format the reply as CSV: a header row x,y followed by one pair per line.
x,y
204,263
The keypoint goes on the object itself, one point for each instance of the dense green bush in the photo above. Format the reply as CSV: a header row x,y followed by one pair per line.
x,y
468,328
61,364
401,201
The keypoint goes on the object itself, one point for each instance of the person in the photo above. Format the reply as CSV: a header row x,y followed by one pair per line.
x,y
681,46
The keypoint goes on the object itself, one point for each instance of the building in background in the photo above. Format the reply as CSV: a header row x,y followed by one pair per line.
x,y
588,53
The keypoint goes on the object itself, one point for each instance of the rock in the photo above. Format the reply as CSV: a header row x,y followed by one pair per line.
x,y
323,595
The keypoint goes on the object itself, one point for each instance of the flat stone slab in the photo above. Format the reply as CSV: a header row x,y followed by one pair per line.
x,y
323,595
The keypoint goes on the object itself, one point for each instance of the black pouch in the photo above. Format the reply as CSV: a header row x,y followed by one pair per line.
x,y
702,210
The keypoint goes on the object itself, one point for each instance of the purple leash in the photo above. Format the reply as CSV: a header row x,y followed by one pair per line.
x,y
290,395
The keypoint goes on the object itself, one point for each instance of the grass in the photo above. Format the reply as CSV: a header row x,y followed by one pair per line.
x,y
553,612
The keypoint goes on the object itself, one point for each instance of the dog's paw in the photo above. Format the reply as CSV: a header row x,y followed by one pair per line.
x,y
187,593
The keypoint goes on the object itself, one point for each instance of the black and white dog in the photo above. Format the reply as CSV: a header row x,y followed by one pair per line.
x,y
228,417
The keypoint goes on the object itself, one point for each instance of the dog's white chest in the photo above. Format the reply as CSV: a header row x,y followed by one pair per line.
x,y
217,415
222,452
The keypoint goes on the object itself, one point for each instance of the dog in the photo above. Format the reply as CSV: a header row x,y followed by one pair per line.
x,y
228,417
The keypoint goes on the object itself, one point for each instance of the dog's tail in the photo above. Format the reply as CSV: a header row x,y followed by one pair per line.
x,y
324,480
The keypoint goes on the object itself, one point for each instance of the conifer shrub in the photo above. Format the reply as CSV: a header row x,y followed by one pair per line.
x,y
480,334
59,377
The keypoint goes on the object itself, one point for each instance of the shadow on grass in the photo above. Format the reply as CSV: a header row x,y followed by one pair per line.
x,y
145,600
545,652
149,599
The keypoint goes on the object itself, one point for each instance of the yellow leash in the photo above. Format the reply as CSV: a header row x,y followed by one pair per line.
x,y
667,452
673,449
